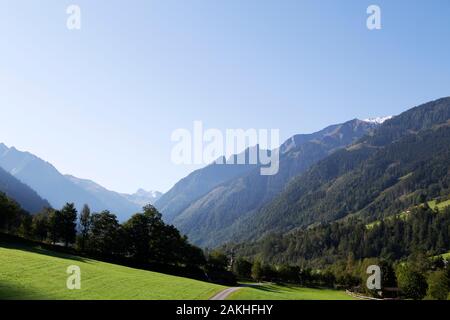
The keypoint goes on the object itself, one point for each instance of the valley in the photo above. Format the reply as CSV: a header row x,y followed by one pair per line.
x,y
33,273
352,195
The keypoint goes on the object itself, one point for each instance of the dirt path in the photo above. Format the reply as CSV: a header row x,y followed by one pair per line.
x,y
222,295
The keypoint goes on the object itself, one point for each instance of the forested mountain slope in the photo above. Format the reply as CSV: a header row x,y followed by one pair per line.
x,y
21,193
195,185
209,219
407,158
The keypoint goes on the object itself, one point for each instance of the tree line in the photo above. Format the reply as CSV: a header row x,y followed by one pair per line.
x,y
143,241
418,229
332,255
416,277
342,251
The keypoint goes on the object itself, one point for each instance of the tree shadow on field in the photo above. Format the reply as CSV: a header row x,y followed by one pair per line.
x,y
263,287
11,291
292,286
42,249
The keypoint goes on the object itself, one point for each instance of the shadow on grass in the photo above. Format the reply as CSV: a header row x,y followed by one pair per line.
x,y
262,287
279,287
10,291
41,249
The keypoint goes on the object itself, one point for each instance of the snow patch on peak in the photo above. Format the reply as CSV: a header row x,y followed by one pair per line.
x,y
378,120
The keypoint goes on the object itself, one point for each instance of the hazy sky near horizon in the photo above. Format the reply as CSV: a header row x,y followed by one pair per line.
x,y
101,103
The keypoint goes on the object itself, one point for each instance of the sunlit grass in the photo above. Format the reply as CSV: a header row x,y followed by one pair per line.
x,y
27,273
287,292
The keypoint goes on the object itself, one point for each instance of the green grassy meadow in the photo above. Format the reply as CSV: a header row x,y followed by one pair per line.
x,y
33,273
404,215
287,292
440,205
445,256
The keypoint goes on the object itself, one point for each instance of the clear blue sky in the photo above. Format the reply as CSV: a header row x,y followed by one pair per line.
x,y
102,102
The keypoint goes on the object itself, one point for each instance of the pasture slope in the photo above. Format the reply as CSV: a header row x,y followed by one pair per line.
x,y
287,292
34,273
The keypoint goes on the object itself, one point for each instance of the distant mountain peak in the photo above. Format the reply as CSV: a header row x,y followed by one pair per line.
x,y
3,147
378,120
151,193
143,197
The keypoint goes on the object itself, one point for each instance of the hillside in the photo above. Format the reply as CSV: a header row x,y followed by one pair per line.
x,y
195,185
33,273
210,219
108,199
406,158
420,229
44,178
59,189
21,193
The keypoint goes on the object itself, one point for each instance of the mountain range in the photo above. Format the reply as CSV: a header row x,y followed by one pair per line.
x,y
21,193
406,158
58,189
197,184
386,177
369,169
210,211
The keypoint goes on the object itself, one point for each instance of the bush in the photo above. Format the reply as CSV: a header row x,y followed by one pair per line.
x,y
412,283
438,286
